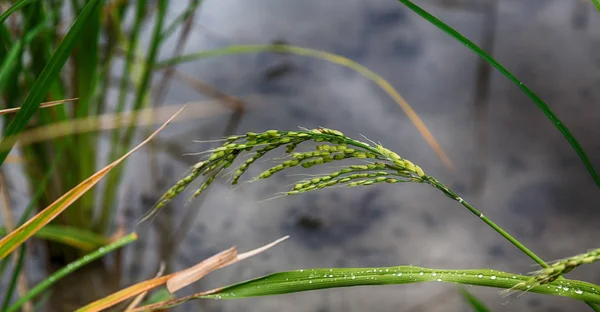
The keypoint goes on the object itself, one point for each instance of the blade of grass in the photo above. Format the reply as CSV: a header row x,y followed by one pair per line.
x,y
85,61
330,57
47,77
79,238
17,5
184,17
68,269
140,101
126,77
597,4
534,97
324,278
33,203
112,121
476,304
15,277
24,232
13,57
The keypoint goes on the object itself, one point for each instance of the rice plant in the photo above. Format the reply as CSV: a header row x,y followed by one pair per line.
x,y
43,60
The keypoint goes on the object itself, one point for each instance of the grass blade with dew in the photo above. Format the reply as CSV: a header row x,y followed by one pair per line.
x,y
47,77
534,97
476,304
29,228
325,278
75,237
329,57
71,267
17,5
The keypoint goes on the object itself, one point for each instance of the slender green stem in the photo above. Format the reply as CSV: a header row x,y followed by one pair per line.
x,y
15,277
141,99
113,177
435,183
70,268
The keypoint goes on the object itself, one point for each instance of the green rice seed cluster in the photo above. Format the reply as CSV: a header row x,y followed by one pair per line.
x,y
559,268
380,164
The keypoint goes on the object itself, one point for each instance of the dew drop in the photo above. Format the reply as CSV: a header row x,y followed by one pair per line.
x,y
566,288
353,277
480,275
433,274
439,279
330,275
399,274
421,273
578,291
493,277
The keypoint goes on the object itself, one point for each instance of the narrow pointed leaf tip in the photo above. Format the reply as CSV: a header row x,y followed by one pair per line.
x,y
177,280
218,261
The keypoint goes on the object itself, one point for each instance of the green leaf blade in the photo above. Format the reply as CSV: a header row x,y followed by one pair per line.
x,y
476,304
312,279
46,79
534,97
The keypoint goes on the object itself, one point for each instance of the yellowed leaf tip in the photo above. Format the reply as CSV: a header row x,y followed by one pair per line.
x,y
223,259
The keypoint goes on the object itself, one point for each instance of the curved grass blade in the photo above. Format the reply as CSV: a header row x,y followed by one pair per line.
x,y
323,278
534,97
597,4
148,116
46,78
19,4
24,232
70,268
15,54
330,57
476,304
71,236
140,101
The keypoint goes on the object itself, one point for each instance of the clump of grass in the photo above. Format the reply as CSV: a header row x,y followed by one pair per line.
x,y
377,163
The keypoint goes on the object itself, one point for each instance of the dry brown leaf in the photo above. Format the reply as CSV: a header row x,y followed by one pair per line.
x,y
182,278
